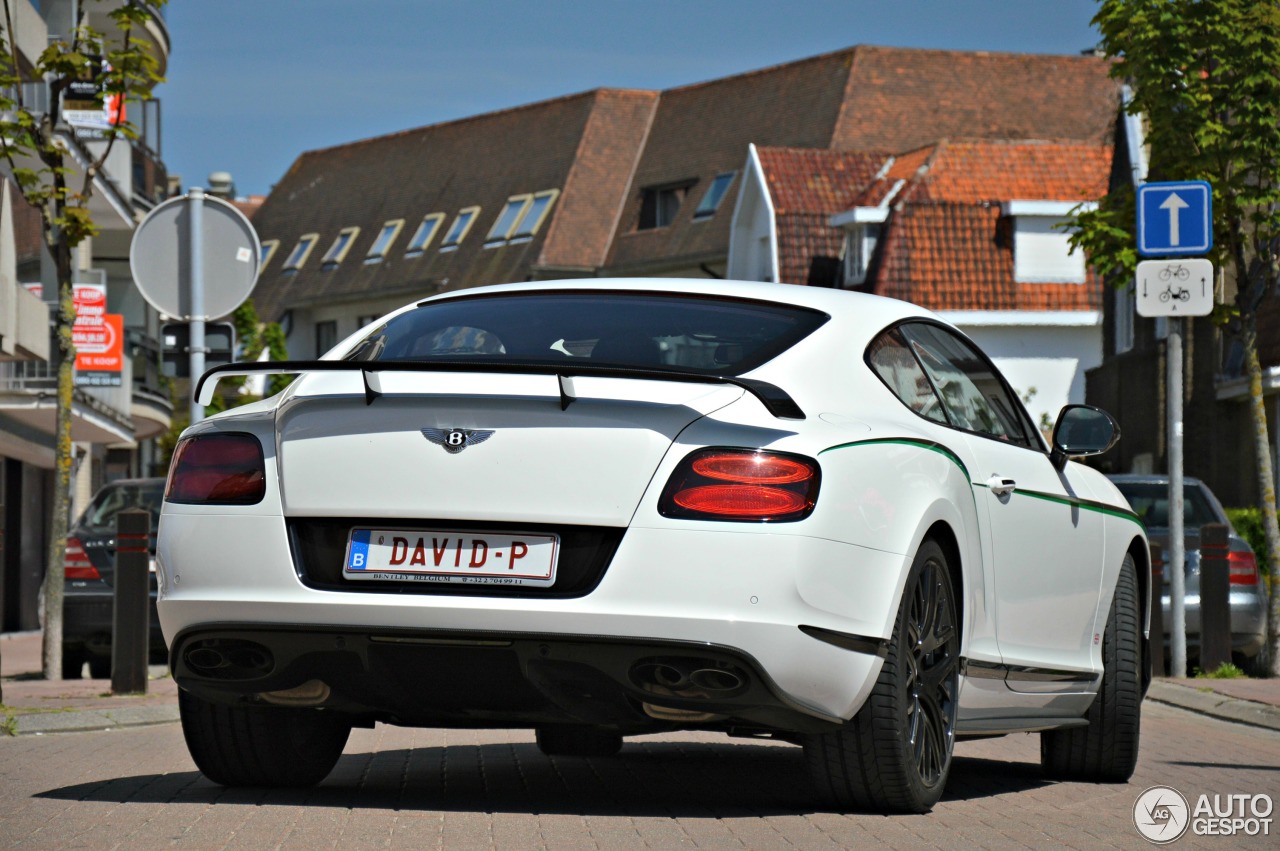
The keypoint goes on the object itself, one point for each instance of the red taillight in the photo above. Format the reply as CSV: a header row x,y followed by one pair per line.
x,y
218,469
741,484
76,562
1242,568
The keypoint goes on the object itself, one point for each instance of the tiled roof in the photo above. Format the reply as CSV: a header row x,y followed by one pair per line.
x,y
900,99
1015,171
952,255
703,130
443,168
807,180
864,98
806,187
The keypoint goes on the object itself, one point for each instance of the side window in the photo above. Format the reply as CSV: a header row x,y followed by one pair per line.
x,y
891,358
971,390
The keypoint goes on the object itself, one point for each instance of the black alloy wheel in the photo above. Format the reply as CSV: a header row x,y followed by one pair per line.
x,y
895,753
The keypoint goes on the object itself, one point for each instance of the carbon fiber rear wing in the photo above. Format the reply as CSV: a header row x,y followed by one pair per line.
x,y
775,400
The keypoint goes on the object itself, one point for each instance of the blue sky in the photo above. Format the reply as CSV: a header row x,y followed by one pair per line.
x,y
254,83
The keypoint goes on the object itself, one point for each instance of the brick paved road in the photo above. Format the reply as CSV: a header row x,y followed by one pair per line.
x,y
137,788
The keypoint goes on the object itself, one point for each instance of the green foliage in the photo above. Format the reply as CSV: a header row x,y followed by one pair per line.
x,y
1225,671
31,146
1206,76
1248,524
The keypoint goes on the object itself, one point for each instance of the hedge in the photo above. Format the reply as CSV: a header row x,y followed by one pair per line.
x,y
1248,523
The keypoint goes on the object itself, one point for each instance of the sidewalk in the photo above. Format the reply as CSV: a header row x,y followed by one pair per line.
x,y
36,706
33,705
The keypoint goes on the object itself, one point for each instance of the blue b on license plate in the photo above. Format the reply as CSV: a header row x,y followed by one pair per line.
x,y
451,556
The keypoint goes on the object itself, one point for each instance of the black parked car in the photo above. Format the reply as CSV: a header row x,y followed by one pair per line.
x,y
90,574
1149,497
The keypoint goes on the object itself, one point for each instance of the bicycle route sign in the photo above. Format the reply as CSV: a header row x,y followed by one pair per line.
x,y
1175,218
1174,287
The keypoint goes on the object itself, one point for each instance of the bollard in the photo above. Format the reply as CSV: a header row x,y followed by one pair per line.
x,y
131,612
1157,611
1215,597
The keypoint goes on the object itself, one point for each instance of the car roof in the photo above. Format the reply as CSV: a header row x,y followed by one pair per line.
x,y
871,310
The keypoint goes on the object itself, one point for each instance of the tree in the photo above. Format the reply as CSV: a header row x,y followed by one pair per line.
x,y
1205,74
35,144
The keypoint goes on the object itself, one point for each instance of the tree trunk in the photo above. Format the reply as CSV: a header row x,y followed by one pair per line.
x,y
51,591
1266,483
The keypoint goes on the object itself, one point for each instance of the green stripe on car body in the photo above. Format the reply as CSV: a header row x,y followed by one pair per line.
x,y
1087,505
906,441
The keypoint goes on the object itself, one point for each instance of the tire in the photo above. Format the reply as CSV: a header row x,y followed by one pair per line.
x,y
1106,751
577,741
895,754
236,745
99,667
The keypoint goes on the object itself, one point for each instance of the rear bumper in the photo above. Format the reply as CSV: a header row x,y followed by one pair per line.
x,y
1248,620
452,679
740,593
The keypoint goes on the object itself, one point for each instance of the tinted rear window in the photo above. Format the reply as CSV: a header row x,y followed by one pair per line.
x,y
639,330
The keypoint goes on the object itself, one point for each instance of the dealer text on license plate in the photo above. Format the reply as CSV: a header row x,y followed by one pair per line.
x,y
450,556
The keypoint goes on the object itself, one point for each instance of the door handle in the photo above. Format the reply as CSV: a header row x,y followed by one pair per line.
x,y
1001,485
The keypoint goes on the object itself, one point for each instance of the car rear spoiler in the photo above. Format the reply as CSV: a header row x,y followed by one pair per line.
x,y
775,400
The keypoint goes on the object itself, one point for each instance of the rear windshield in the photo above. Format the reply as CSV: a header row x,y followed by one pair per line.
x,y
1150,500
639,330
113,499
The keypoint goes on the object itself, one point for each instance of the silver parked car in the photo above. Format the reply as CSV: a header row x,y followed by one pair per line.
x,y
1149,497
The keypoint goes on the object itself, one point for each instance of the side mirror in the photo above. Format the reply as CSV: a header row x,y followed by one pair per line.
x,y
1082,430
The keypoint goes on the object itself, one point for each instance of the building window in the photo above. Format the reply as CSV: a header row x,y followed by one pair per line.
x,y
341,245
521,218
535,214
859,247
326,336
714,195
300,252
660,204
268,250
423,235
386,236
458,230
511,214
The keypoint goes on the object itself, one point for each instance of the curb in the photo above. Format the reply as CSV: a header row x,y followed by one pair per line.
x,y
87,720
1215,705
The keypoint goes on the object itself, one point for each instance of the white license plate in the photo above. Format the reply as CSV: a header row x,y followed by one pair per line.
x,y
450,556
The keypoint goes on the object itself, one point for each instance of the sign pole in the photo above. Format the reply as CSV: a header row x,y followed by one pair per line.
x,y
1175,220
195,207
1176,562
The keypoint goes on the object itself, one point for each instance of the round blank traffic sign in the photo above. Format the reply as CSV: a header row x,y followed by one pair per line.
x,y
160,255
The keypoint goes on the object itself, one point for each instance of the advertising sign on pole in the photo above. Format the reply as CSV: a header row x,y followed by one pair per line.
x,y
100,351
98,337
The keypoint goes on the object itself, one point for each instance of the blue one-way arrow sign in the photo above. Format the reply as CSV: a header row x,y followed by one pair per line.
x,y
1175,218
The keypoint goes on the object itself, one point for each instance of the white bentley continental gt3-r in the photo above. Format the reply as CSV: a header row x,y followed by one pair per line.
x,y
616,507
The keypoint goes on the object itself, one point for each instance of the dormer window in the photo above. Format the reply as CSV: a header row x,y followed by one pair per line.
x,y
458,230
386,236
660,204
1041,245
268,251
298,256
862,229
341,245
423,235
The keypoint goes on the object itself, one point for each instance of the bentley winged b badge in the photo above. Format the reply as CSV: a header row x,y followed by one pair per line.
x,y
454,440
